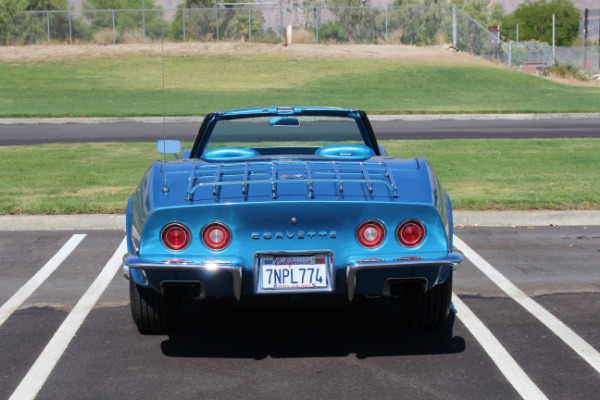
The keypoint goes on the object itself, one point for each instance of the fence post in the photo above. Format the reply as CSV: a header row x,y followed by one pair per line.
x,y
553,36
281,19
454,39
48,24
183,11
386,24
114,31
317,24
217,19
70,30
144,19
510,54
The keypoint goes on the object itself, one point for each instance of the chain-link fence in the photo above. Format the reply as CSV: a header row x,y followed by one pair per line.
x,y
268,22
415,25
543,55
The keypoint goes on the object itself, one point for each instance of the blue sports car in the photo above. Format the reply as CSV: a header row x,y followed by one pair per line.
x,y
288,202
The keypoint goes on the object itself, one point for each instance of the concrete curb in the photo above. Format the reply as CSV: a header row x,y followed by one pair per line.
x,y
461,218
483,117
527,218
411,117
92,222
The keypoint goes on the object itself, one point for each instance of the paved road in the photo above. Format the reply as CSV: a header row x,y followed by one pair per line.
x,y
24,134
527,327
492,129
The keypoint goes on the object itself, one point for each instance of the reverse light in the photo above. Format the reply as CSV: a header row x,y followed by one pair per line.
x,y
370,234
410,233
176,236
216,236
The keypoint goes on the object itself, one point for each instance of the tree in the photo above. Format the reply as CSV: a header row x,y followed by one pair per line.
x,y
535,21
200,22
356,21
476,9
126,21
8,15
234,23
419,25
497,13
17,27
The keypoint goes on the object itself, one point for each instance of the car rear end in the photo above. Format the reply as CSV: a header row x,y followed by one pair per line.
x,y
367,238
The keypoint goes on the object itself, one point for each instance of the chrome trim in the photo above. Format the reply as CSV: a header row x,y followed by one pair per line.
x,y
411,220
378,222
353,268
219,223
180,225
235,270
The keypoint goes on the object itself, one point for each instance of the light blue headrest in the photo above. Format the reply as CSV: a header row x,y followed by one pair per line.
x,y
229,154
346,152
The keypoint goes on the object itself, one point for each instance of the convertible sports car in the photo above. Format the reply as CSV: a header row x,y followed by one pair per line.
x,y
292,202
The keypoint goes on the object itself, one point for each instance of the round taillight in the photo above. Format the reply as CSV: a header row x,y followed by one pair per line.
x,y
370,233
411,233
176,237
216,236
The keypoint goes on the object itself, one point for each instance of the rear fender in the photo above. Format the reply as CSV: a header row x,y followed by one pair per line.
x,y
449,222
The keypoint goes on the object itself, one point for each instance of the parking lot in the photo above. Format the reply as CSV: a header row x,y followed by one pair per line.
x,y
527,301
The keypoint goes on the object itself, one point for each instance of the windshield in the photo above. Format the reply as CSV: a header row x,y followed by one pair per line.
x,y
284,133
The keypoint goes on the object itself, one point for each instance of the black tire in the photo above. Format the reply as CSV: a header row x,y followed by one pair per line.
x,y
431,309
150,310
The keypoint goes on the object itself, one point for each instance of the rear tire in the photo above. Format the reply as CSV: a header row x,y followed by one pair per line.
x,y
150,310
431,309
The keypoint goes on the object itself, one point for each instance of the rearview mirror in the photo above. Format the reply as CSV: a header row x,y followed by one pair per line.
x,y
168,146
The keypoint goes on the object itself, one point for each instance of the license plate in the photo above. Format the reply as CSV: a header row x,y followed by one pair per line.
x,y
293,272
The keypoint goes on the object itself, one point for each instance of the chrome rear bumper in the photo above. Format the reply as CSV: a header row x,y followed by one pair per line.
x,y
235,270
452,259
134,262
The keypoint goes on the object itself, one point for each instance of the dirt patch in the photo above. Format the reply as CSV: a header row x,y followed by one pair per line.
x,y
573,81
430,54
19,54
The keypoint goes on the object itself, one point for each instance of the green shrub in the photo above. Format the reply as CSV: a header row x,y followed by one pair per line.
x,y
333,32
567,70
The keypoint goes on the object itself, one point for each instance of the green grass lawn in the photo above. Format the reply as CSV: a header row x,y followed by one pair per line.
x,y
480,174
132,86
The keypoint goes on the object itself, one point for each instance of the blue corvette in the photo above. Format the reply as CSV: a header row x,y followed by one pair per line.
x,y
292,202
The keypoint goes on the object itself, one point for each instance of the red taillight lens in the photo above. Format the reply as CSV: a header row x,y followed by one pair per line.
x,y
411,233
370,233
176,237
216,236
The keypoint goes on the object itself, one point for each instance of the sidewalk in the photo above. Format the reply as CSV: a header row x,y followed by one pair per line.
x,y
461,218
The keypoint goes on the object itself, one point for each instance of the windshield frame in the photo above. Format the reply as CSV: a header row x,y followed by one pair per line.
x,y
212,120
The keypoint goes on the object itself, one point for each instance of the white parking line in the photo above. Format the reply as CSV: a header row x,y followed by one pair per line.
x,y
43,366
507,365
566,334
36,280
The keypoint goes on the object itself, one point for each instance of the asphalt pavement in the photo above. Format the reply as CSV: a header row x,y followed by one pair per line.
x,y
523,326
413,127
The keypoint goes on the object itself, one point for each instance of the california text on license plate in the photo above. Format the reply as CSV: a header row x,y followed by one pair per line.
x,y
294,272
